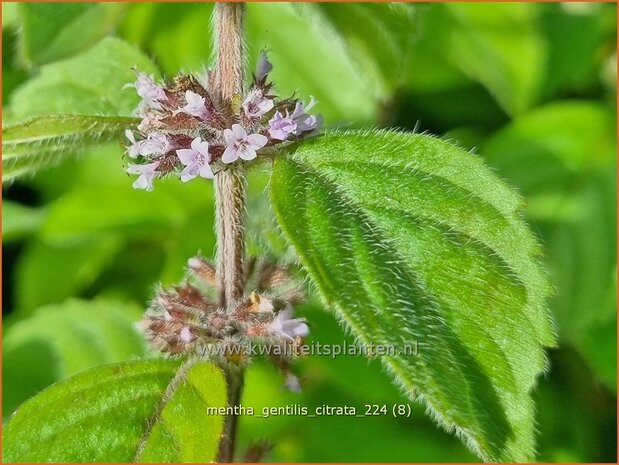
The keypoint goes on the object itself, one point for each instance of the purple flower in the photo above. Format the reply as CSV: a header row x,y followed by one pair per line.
x,y
146,172
240,145
280,126
149,91
263,67
196,160
196,105
304,121
287,327
154,144
134,149
256,104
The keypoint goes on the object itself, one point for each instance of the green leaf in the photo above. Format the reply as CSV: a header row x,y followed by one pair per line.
x,y
19,220
173,33
91,83
562,156
58,341
51,272
411,239
39,142
126,211
378,36
50,31
498,47
12,74
573,41
146,411
10,15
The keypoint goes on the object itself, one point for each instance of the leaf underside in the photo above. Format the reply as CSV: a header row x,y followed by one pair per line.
x,y
144,411
48,140
411,239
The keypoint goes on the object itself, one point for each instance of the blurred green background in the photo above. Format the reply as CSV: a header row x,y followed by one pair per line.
x,y
530,87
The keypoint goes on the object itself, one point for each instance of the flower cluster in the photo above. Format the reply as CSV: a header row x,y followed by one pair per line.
x,y
188,320
186,129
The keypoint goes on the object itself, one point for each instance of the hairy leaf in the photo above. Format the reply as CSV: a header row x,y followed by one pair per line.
x,y
411,239
50,31
563,156
46,140
94,82
62,340
146,411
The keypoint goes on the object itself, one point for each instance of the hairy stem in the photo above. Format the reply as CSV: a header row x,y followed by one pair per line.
x,y
230,193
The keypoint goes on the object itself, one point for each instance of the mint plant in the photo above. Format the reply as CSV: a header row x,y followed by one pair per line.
x,y
407,237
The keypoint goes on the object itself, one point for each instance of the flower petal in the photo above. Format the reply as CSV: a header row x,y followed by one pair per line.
x,y
248,153
186,156
230,154
190,172
239,132
256,141
228,136
206,172
129,135
203,149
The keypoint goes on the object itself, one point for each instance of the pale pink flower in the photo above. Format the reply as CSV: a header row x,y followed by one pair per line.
x,y
241,145
256,104
134,149
304,121
146,174
149,91
155,144
196,160
196,105
287,327
280,126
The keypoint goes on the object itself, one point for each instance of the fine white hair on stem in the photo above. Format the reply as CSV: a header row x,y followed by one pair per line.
x,y
230,45
230,190
230,184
